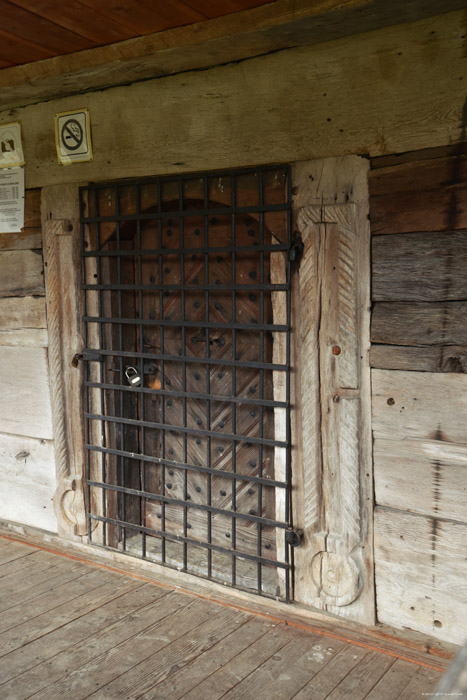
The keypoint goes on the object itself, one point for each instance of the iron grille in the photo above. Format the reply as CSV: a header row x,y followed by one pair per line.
x,y
186,286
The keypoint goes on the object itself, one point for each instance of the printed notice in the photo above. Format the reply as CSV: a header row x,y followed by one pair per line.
x,y
11,199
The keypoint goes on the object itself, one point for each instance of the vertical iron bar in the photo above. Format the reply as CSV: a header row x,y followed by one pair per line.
x,y
86,366
234,379
208,371
288,519
122,368
101,373
162,369
185,413
141,396
261,375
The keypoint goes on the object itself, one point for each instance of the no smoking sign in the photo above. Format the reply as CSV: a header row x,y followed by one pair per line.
x,y
73,137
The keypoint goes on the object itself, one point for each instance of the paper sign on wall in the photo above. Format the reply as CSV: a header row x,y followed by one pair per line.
x,y
11,200
73,136
11,150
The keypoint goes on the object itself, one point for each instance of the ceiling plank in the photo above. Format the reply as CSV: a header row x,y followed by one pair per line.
x,y
85,21
19,50
147,17
214,8
27,25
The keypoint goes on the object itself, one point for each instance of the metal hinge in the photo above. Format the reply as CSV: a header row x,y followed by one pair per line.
x,y
87,356
296,248
293,537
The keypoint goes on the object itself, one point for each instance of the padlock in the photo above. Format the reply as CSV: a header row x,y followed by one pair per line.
x,y
133,376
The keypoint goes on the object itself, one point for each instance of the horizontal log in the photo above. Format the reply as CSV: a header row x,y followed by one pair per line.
x,y
387,161
21,273
430,210
415,323
221,115
28,477
25,337
419,267
22,312
25,407
419,405
401,466
444,358
419,176
421,570
26,239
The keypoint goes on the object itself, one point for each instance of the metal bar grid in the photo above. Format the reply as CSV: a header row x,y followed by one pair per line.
x,y
162,322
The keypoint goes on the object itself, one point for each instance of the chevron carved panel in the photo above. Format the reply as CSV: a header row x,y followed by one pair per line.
x,y
333,286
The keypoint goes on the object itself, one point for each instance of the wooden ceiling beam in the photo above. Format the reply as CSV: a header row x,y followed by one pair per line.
x,y
271,27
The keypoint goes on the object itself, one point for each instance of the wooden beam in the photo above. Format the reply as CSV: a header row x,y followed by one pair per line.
x,y
418,324
274,26
424,267
219,118
444,358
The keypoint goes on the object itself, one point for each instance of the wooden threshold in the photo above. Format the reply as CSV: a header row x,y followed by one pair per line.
x,y
405,645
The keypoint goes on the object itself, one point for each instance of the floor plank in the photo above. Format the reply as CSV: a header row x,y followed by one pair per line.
x,y
362,678
175,655
241,666
394,681
193,673
104,668
294,676
70,630
47,659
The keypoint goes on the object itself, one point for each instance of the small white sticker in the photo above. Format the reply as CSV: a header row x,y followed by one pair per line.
x,y
73,136
11,150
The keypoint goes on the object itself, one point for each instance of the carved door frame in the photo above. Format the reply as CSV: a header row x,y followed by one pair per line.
x,y
331,418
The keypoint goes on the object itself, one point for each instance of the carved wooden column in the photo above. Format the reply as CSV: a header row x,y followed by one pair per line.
x,y
60,230
334,566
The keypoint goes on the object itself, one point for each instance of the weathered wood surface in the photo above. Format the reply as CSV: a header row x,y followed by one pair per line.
x,y
332,571
25,406
421,324
26,239
449,358
419,267
426,175
64,310
411,101
21,273
215,42
22,312
105,635
386,161
407,405
421,569
428,477
420,211
27,480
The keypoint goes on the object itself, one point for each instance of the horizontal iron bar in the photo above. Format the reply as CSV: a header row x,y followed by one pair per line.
x,y
188,360
189,540
189,504
229,174
187,431
183,213
189,287
189,395
235,476
169,323
254,248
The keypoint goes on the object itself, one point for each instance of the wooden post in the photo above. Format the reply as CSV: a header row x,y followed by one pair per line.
x,y
334,566
60,227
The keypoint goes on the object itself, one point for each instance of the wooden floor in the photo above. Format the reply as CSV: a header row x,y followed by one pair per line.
x,y
71,630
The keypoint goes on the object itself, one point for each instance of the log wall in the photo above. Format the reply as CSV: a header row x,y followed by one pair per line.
x,y
418,210
27,465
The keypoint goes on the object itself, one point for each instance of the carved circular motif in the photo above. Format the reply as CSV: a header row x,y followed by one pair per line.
x,y
337,578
